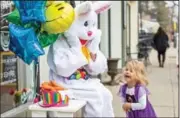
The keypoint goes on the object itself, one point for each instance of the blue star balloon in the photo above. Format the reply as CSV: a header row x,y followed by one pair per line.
x,y
31,11
24,43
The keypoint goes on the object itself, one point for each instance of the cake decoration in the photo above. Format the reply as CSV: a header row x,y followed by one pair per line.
x,y
53,95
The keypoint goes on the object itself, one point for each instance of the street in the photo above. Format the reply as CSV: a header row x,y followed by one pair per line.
x,y
163,85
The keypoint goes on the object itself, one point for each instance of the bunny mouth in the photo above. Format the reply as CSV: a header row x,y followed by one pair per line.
x,y
83,41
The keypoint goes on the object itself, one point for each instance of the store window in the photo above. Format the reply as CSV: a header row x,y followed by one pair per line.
x,y
14,73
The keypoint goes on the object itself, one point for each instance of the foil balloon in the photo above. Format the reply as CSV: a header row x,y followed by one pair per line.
x,y
46,39
16,3
24,43
48,3
14,17
31,10
59,17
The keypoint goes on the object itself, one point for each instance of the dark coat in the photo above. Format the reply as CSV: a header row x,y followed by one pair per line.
x,y
160,41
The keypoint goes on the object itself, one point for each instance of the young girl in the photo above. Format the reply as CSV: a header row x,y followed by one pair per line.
x,y
134,93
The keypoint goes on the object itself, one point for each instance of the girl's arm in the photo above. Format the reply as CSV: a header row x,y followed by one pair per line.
x,y
123,100
120,94
140,105
142,100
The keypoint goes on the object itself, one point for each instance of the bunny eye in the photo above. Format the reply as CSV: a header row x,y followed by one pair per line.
x,y
86,24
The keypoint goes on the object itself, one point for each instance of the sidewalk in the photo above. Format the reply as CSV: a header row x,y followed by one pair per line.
x,y
163,87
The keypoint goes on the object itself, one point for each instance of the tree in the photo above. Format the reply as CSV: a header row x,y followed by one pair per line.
x,y
159,11
162,15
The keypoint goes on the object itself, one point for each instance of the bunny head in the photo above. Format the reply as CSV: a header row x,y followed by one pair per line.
x,y
86,18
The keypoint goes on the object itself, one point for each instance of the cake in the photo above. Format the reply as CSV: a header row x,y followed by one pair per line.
x,y
53,95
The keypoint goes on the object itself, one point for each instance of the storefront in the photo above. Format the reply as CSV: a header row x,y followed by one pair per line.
x,y
14,73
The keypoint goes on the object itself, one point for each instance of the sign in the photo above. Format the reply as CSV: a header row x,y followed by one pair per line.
x,y
6,4
8,71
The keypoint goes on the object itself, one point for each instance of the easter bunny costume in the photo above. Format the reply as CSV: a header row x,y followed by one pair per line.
x,y
71,63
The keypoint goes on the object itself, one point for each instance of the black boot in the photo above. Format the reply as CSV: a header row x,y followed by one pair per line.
x,y
162,65
159,64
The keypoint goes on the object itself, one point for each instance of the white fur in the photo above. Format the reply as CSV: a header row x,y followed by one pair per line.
x,y
87,11
101,6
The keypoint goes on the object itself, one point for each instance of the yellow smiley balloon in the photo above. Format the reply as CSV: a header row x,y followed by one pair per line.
x,y
59,17
48,3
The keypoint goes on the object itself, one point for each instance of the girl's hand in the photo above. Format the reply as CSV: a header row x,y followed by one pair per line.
x,y
126,107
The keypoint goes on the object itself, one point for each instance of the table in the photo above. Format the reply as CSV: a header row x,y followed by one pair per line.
x,y
67,111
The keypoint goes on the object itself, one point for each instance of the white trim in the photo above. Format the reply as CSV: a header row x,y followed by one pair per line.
x,y
15,111
4,15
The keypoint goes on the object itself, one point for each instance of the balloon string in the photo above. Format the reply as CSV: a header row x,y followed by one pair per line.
x,y
35,80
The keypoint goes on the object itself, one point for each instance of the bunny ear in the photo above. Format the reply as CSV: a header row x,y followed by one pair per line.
x,y
83,8
101,6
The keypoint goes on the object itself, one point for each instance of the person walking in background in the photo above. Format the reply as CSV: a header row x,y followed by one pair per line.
x,y
161,43
134,94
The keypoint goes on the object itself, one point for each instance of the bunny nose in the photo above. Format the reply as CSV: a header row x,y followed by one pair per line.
x,y
89,33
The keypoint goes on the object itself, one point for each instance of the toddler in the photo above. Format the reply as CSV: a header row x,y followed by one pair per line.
x,y
134,93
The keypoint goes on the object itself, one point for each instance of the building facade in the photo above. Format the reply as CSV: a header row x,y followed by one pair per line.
x,y
120,32
119,27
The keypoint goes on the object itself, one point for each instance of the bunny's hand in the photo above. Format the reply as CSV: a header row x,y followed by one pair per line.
x,y
98,66
93,46
99,62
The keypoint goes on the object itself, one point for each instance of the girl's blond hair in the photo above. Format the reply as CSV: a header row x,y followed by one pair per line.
x,y
139,69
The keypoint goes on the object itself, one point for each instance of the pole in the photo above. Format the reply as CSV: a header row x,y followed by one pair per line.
x,y
141,25
37,79
109,32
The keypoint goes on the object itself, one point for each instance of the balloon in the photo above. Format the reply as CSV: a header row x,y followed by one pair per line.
x,y
46,39
31,10
16,3
24,43
59,17
14,17
48,3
